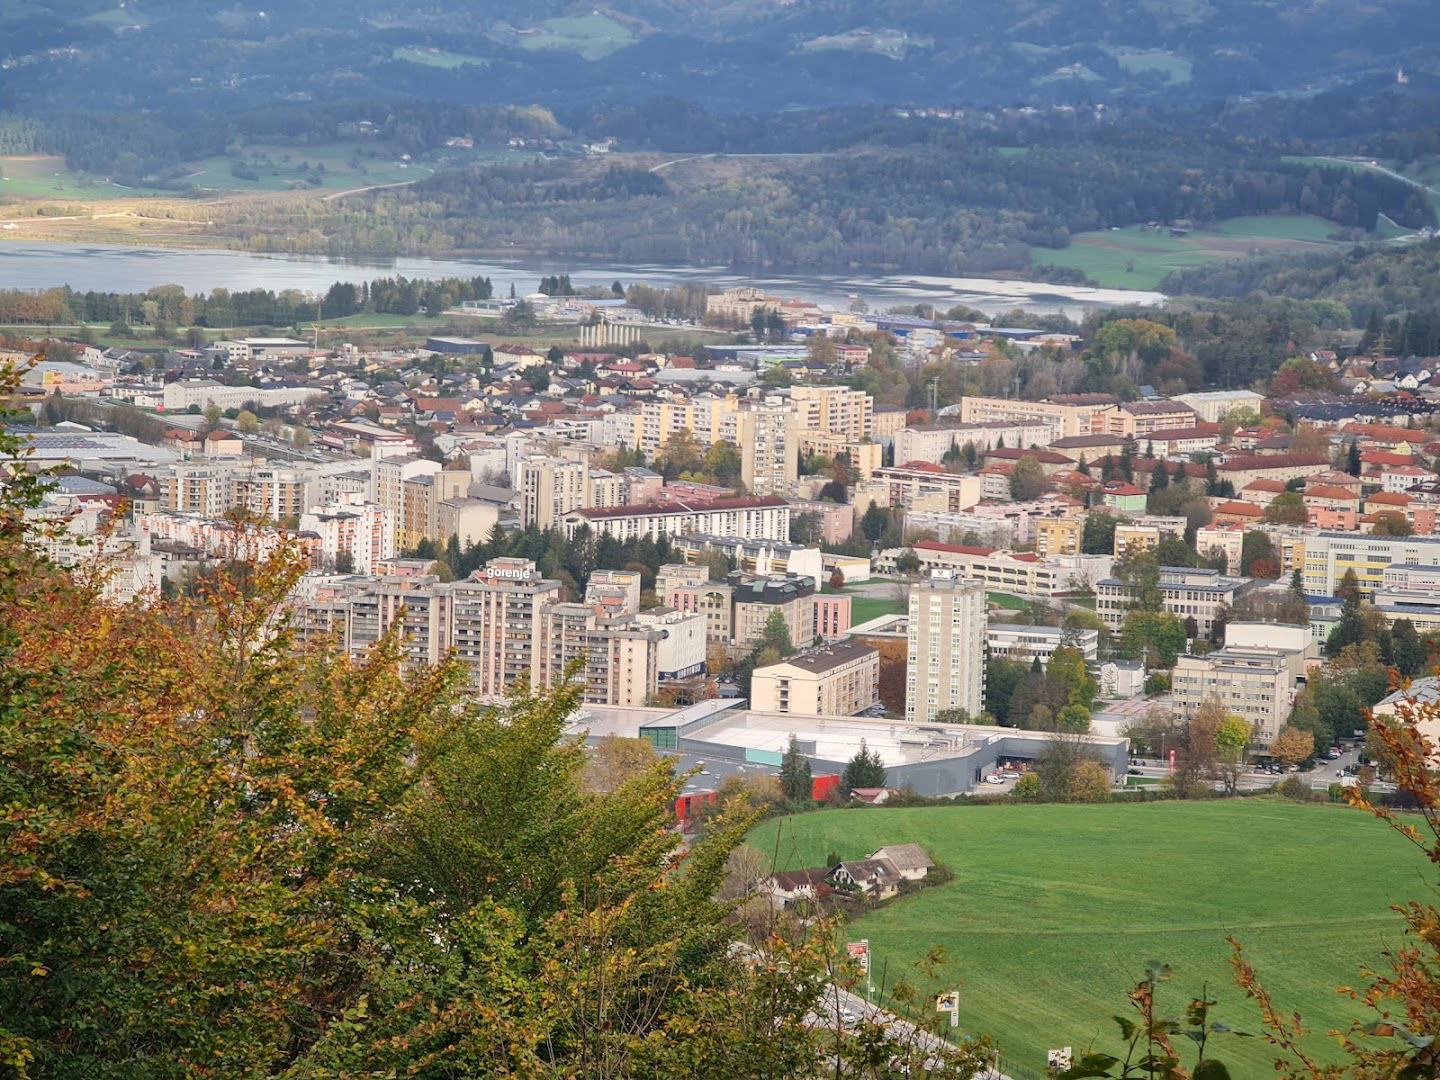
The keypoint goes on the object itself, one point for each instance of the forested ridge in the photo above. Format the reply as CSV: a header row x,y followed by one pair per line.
x,y
951,207
1375,281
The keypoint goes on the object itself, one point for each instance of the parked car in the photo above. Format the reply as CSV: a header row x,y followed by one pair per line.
x,y
994,778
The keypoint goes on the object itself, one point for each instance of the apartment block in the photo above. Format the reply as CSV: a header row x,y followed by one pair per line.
x,y
1255,676
1016,641
1186,592
496,623
1073,414
1058,536
1006,571
760,518
837,410
756,598
355,535
945,651
1144,533
550,488
835,680
932,443
905,485
1328,555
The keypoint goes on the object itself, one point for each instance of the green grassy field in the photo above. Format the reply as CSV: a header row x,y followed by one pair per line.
x,y
1176,69
46,177
865,608
1138,258
277,168
593,36
1055,910
1006,600
437,58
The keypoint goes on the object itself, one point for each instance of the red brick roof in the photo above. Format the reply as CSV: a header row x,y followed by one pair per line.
x,y
1239,509
1014,453
1172,434
1120,487
1389,498
1329,491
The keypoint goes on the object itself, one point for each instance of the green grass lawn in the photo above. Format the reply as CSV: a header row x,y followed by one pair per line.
x,y
46,177
865,608
1137,258
437,58
593,36
1006,600
1055,910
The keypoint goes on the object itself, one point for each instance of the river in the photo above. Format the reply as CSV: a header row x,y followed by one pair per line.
x,y
134,269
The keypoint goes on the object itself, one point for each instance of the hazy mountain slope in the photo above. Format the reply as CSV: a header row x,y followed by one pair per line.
x,y
752,55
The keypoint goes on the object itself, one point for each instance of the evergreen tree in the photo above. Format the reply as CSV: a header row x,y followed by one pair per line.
x,y
1410,652
1352,458
1160,478
795,778
864,770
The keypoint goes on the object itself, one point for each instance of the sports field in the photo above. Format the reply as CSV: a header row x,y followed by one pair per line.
x,y
1138,258
1055,910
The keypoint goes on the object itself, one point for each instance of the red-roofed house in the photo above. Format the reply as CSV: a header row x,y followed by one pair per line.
x,y
1123,496
1241,471
1383,435
1262,492
1049,460
1234,512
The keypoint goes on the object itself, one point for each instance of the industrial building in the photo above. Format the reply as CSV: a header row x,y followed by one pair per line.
x,y
931,759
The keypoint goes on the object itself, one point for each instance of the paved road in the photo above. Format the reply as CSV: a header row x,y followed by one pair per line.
x,y
1253,779
837,1001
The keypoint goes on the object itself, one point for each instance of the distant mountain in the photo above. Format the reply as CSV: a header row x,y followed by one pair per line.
x,y
732,55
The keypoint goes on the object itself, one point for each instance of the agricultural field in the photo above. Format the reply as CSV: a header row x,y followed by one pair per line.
x,y
1055,910
332,167
1176,69
41,176
1139,258
437,58
593,36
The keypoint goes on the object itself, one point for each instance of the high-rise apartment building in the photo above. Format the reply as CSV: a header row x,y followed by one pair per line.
x,y
835,409
550,488
495,624
353,537
945,661
768,436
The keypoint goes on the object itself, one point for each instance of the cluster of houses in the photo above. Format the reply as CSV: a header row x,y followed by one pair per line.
x,y
878,876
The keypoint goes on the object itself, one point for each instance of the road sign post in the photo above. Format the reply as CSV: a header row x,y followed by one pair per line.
x,y
860,950
949,1002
